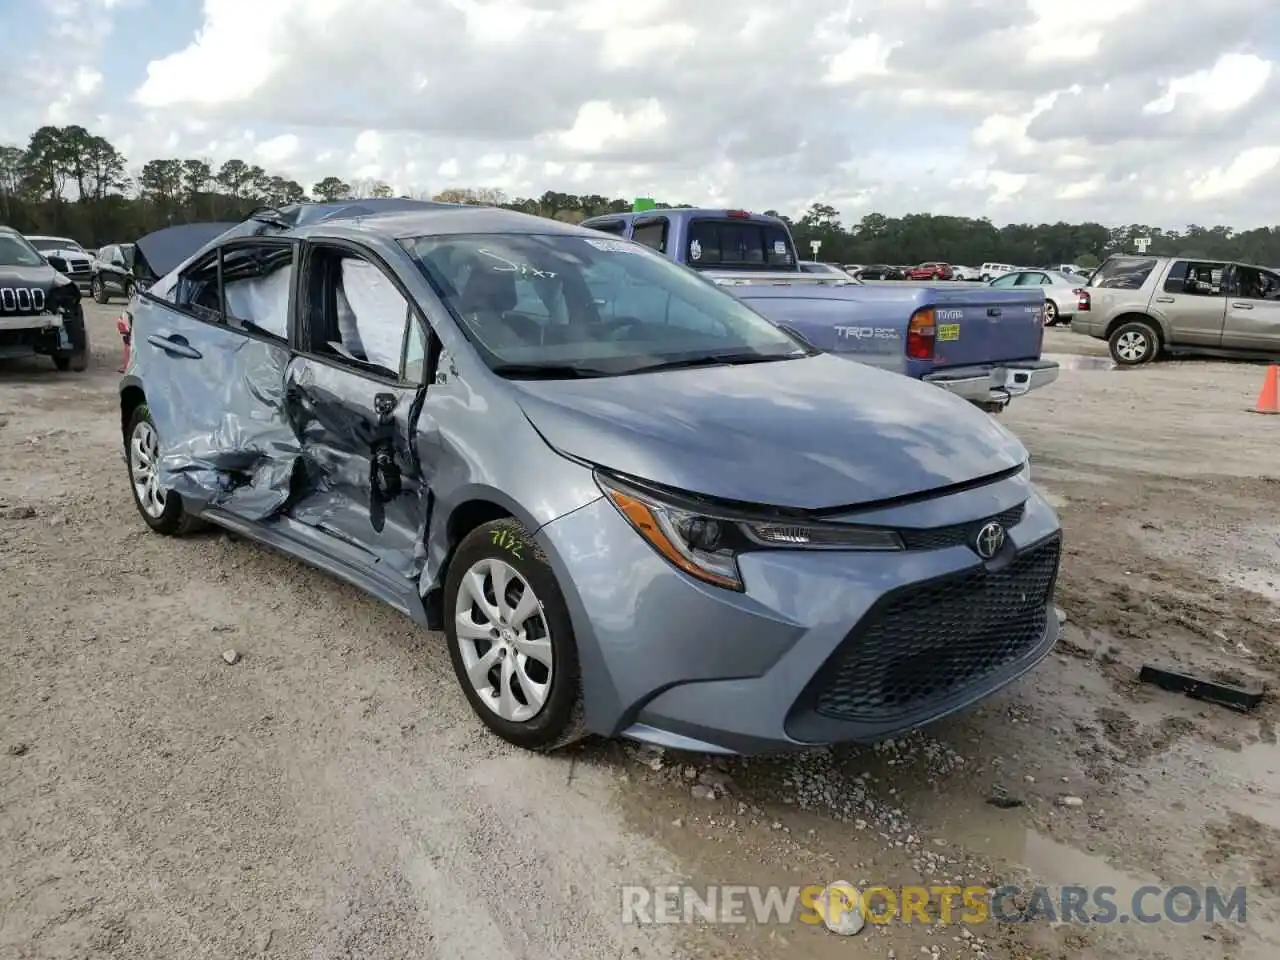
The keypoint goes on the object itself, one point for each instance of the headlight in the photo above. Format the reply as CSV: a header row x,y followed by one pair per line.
x,y
706,543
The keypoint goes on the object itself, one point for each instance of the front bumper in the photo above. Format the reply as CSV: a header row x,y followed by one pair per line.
x,y
995,382
31,335
823,647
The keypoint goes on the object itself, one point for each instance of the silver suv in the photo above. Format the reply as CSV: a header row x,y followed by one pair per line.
x,y
1146,306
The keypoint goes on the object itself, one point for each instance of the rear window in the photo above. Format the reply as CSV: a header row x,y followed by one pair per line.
x,y
1124,273
746,244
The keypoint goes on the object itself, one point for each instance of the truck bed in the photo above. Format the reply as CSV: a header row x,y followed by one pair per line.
x,y
986,347
974,325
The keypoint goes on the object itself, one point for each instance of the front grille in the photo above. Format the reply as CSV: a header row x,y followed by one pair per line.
x,y
78,268
956,534
926,644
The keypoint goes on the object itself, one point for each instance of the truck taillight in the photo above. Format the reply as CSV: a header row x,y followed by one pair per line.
x,y
737,214
1083,302
922,334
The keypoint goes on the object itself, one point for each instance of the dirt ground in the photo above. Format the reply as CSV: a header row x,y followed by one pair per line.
x,y
331,796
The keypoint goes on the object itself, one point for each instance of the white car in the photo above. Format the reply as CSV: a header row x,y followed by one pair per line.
x,y
965,273
989,271
1061,291
79,260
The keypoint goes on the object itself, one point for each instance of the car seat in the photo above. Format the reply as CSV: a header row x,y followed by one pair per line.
x,y
486,301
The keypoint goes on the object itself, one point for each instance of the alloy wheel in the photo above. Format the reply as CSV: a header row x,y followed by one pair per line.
x,y
504,640
144,471
1132,346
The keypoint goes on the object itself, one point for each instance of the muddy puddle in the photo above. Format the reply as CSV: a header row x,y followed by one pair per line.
x,y
1075,361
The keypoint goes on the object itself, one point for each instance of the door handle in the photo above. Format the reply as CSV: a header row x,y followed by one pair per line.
x,y
384,405
1164,299
1242,306
175,346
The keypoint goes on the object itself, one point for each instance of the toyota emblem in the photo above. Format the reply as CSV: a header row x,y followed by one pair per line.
x,y
989,540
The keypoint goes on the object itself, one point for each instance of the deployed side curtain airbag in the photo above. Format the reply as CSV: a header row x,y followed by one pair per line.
x,y
380,312
263,301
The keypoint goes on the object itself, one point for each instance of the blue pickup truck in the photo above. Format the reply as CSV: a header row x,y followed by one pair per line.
x,y
979,343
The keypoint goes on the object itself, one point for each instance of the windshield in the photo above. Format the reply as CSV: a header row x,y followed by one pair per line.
x,y
50,244
739,245
589,306
15,251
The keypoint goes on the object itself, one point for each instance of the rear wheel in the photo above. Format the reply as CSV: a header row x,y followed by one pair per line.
x,y
511,640
1134,343
161,509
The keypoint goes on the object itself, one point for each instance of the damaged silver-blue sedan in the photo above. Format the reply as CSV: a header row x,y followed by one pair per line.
x,y
634,506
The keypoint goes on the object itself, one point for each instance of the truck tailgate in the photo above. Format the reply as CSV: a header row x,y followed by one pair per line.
x,y
978,326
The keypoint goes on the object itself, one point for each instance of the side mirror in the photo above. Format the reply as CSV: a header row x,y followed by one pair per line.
x,y
58,263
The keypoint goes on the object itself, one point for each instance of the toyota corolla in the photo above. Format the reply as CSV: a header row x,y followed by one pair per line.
x,y
633,505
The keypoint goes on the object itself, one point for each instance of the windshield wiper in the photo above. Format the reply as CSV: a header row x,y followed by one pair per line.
x,y
717,360
547,371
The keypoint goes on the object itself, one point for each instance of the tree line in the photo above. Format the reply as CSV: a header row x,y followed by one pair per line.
x,y
69,181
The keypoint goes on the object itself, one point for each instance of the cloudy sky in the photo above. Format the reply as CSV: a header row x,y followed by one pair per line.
x,y
1115,110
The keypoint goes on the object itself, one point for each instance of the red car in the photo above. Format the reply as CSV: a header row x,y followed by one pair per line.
x,y
930,271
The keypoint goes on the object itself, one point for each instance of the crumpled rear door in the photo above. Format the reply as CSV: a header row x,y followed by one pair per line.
x,y
216,395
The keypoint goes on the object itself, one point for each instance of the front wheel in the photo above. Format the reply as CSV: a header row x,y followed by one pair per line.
x,y
1134,343
511,640
99,290
77,358
1050,313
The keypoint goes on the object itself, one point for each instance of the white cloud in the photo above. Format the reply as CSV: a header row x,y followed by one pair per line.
x,y
1226,86
1247,168
278,150
1112,110
599,125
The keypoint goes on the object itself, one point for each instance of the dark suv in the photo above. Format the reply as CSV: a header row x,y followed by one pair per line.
x,y
112,272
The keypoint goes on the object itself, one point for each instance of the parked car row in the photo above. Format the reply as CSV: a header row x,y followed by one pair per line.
x,y
603,475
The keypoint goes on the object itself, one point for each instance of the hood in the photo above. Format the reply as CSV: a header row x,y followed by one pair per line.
x,y
165,250
815,433
42,276
67,253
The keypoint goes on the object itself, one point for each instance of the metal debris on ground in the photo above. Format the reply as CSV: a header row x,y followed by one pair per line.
x,y
1238,694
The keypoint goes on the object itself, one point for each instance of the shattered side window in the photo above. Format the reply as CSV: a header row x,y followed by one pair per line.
x,y
356,313
257,281
197,289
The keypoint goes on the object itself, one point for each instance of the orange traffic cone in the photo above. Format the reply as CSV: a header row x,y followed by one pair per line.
x,y
1269,395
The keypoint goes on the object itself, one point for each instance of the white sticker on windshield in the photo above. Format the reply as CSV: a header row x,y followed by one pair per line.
x,y
695,250
780,248
613,246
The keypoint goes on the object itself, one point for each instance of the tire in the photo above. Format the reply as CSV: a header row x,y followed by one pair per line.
x,y
1134,343
1050,313
171,519
76,360
99,290
505,547
128,289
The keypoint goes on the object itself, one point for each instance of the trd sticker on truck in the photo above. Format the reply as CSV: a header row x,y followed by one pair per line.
x,y
866,333
948,331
